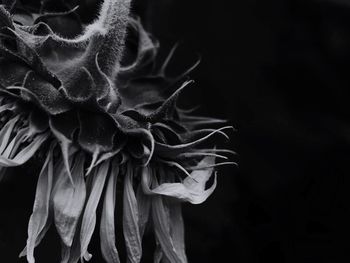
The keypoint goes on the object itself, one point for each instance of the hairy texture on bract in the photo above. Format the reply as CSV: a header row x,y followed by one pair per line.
x,y
102,111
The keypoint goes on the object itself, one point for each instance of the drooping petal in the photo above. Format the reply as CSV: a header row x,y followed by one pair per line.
x,y
12,147
40,213
158,253
107,228
57,169
161,220
144,209
26,153
177,229
68,201
6,132
73,254
131,219
89,217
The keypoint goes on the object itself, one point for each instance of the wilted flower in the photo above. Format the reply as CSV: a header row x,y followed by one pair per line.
x,y
99,122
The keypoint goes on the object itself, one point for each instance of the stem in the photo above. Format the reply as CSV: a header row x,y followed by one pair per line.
x,y
109,46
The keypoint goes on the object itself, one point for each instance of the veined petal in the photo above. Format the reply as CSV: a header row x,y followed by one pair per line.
x,y
161,220
68,201
177,229
89,218
12,147
144,207
107,229
73,254
57,168
6,132
40,213
25,154
131,219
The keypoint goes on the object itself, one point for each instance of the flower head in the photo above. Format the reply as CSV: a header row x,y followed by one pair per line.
x,y
99,122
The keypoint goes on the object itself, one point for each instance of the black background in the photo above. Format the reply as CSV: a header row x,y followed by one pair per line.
x,y
279,71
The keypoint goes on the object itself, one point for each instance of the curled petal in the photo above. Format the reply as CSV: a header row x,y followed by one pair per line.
x,y
191,190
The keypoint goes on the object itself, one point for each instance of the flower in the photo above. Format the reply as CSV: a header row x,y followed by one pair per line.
x,y
66,93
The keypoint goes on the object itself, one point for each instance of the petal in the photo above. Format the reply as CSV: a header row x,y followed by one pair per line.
x,y
89,217
177,229
68,201
6,132
26,153
58,167
131,219
40,213
12,147
107,228
161,220
191,190
144,209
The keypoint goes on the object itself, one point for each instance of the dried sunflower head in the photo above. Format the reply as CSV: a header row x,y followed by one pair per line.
x,y
66,93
